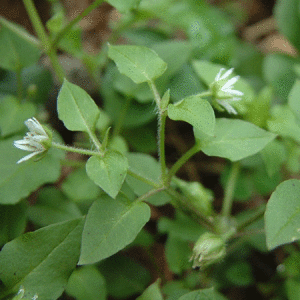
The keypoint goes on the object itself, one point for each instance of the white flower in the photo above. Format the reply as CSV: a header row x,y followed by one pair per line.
x,y
37,140
223,91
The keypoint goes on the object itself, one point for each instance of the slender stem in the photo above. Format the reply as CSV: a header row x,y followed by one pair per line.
x,y
77,150
229,190
75,21
204,94
161,137
143,179
44,38
95,140
254,217
155,93
183,202
149,194
182,160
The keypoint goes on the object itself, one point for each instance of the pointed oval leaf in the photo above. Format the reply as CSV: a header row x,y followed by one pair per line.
x,y
195,111
18,49
111,225
108,172
41,261
153,292
233,139
76,108
282,216
139,63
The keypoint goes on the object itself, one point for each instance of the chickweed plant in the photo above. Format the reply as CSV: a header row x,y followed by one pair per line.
x,y
76,217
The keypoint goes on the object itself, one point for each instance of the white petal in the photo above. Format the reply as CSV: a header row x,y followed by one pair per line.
x,y
228,73
227,106
217,78
230,82
34,126
236,92
27,157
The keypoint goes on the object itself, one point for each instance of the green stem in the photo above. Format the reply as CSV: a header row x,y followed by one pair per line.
x,y
95,140
75,21
149,194
182,160
229,190
155,93
184,202
205,94
44,38
254,217
161,137
77,150
143,179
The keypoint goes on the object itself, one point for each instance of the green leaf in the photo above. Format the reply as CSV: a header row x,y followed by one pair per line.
x,y
76,108
149,168
195,111
15,182
108,172
87,283
287,15
293,99
284,122
292,287
41,261
234,139
124,276
124,6
178,253
139,63
79,187
207,294
52,207
152,292
110,226
13,114
13,221
240,273
17,48
279,73
282,216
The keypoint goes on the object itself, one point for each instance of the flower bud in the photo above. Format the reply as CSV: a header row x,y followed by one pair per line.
x,y
209,249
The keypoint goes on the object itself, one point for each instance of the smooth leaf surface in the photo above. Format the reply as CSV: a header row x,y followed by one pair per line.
x,y
195,111
15,183
52,207
13,221
41,261
287,14
139,63
124,276
234,139
282,216
13,114
152,292
17,48
111,224
147,167
206,294
76,108
293,99
79,187
108,172
87,283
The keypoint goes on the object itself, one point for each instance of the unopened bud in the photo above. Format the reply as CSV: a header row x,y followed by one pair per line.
x,y
209,249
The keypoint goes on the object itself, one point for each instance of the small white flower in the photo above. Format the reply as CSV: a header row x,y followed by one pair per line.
x,y
223,91
37,140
